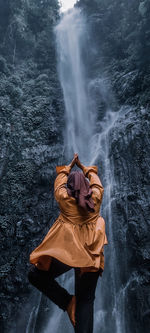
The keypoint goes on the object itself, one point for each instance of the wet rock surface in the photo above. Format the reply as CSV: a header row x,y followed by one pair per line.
x,y
31,147
130,156
31,111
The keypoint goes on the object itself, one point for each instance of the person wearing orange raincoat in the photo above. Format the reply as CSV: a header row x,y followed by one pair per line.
x,y
75,240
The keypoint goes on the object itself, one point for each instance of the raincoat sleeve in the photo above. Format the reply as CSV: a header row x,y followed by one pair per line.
x,y
95,183
60,191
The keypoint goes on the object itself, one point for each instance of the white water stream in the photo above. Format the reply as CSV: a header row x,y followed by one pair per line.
x,y
81,135
70,36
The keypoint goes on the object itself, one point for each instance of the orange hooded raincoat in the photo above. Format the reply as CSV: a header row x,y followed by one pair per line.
x,y
74,239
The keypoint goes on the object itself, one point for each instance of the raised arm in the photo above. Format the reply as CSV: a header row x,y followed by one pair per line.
x,y
95,183
61,181
60,191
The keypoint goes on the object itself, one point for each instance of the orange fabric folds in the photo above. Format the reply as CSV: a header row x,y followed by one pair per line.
x,y
75,239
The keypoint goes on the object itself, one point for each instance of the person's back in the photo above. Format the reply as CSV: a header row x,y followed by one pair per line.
x,y
68,205
76,240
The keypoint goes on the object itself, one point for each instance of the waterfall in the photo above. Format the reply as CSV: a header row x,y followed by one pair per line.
x,y
33,315
89,137
71,41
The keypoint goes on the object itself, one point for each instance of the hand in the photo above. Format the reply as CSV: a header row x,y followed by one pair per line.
x,y
74,160
79,164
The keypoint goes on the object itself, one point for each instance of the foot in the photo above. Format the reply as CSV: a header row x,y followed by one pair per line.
x,y
71,309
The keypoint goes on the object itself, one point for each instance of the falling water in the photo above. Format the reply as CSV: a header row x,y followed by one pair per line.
x,y
89,137
33,315
81,136
71,41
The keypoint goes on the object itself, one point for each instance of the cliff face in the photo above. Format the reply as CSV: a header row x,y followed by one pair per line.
x,y
31,112
119,57
129,155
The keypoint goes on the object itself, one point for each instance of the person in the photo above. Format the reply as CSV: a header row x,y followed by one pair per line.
x,y
75,240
